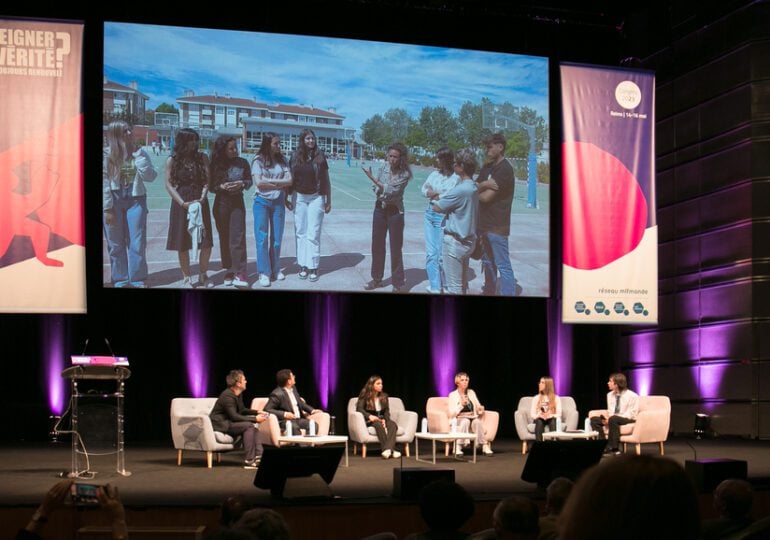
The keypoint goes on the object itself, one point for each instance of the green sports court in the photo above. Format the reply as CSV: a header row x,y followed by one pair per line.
x,y
346,238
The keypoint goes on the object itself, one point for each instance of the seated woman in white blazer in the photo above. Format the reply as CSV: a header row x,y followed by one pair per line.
x,y
466,408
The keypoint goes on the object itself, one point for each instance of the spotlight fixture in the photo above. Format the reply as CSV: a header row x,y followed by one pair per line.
x,y
702,425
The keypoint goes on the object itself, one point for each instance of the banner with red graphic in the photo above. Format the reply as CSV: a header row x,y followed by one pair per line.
x,y
610,236
42,240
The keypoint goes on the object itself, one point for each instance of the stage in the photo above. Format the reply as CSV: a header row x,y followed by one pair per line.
x,y
160,492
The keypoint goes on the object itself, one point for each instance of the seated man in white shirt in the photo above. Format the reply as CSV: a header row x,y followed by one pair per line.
x,y
286,403
622,405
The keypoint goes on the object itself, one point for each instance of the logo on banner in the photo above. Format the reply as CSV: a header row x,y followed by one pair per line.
x,y
628,95
33,53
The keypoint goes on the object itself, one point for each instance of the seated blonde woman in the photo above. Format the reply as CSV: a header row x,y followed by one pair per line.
x,y
466,408
546,407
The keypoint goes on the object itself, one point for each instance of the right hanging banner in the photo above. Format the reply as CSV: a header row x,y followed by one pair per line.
x,y
610,236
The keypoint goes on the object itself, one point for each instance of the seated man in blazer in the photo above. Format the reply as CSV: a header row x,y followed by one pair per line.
x,y
231,416
286,404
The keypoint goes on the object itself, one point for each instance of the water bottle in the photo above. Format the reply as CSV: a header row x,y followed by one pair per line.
x,y
312,428
332,421
424,426
558,424
288,428
453,425
587,425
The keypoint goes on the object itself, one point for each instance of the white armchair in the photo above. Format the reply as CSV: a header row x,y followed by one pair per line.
x,y
270,430
437,411
360,434
191,429
525,425
651,426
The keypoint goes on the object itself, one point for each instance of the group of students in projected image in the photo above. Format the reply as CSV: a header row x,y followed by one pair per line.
x,y
463,215
190,176
464,218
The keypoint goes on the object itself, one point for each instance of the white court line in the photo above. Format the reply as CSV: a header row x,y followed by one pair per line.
x,y
351,195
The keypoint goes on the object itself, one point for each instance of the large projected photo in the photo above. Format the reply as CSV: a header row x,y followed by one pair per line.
x,y
253,161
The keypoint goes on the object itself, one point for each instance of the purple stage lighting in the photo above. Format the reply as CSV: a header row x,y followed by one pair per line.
x,y
53,337
194,347
641,381
718,341
559,349
326,315
443,340
708,379
641,348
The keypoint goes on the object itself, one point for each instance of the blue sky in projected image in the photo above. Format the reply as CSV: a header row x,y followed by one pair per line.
x,y
358,78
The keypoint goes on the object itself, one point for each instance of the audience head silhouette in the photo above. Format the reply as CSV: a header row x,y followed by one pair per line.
x,y
445,506
634,497
232,510
264,524
516,518
556,494
733,498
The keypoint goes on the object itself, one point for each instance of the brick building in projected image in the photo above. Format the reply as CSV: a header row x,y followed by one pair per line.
x,y
247,119
215,115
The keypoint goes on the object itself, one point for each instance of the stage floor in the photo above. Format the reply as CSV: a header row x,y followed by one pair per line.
x,y
27,471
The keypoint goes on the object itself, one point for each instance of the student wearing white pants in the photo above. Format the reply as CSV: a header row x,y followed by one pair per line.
x,y
312,199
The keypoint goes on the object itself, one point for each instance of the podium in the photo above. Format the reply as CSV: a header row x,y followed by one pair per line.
x,y
97,372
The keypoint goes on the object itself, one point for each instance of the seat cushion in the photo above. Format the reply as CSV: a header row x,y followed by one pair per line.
x,y
223,438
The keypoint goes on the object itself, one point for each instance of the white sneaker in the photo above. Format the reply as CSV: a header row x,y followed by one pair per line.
x,y
229,277
396,454
386,454
187,283
279,276
487,449
240,281
264,280
458,449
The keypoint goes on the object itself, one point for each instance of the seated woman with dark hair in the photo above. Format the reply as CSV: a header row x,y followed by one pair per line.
x,y
373,405
229,177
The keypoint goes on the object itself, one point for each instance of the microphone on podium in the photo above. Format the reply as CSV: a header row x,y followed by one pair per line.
x,y
109,347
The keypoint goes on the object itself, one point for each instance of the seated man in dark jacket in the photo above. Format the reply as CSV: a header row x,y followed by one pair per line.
x,y
286,404
231,416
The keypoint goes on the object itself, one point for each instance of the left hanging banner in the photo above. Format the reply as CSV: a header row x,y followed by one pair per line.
x,y
42,236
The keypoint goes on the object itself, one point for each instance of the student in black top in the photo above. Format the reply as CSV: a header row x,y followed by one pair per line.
x,y
229,177
312,199
495,183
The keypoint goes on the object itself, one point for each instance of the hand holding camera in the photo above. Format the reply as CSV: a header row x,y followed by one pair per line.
x,y
85,494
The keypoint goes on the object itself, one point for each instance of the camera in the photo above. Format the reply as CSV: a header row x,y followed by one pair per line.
x,y
85,494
